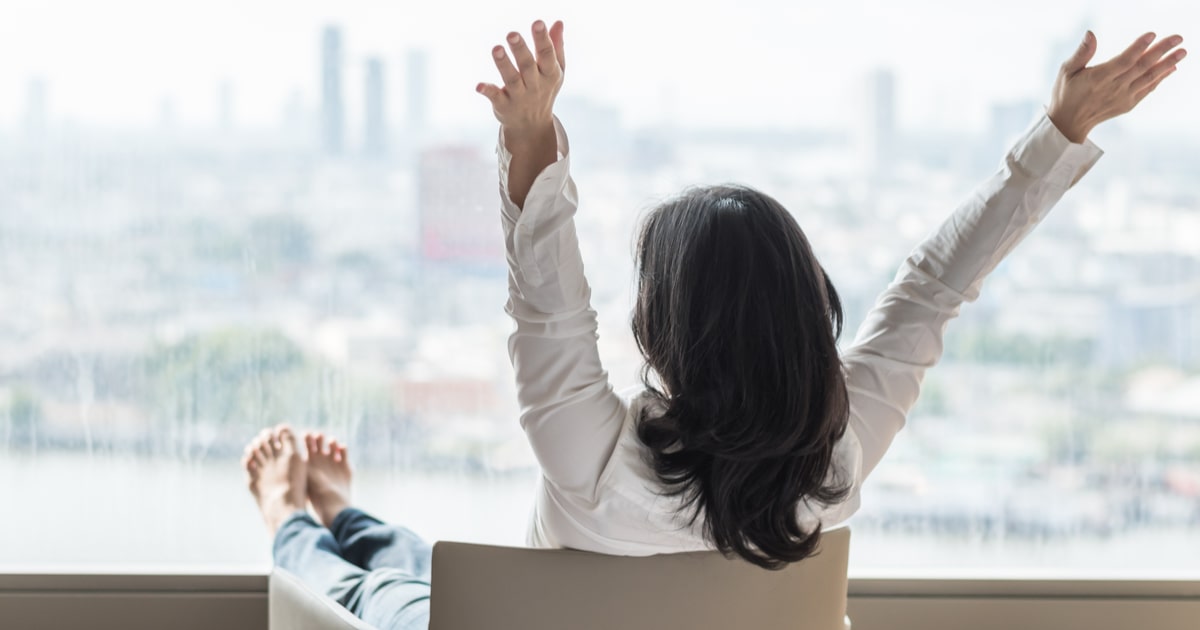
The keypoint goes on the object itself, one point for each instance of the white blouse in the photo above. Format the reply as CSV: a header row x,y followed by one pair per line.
x,y
597,492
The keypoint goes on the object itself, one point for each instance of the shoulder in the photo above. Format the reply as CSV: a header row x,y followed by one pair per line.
x,y
628,466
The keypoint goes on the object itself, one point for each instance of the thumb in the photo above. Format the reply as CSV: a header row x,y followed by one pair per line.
x,y
1083,54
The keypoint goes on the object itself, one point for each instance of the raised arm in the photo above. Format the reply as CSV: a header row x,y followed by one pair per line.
x,y
569,411
902,335
525,105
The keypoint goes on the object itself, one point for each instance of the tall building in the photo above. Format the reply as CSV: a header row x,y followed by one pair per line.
x,y
457,205
225,106
881,119
36,107
418,91
376,131
333,123
296,122
167,118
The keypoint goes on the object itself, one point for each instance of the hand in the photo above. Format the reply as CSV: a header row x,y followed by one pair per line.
x,y
525,105
526,102
1085,97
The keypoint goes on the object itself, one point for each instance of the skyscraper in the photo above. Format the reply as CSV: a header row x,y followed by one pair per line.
x,y
167,118
225,106
332,107
881,119
375,138
36,107
418,91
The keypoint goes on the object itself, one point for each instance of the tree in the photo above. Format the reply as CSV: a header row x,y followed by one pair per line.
x,y
281,240
25,417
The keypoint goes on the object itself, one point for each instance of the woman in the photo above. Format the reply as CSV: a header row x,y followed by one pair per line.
x,y
751,432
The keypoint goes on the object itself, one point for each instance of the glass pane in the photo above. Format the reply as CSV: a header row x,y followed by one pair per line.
x,y
218,217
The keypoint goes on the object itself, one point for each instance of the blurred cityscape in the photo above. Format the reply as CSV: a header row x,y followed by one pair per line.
x,y
167,292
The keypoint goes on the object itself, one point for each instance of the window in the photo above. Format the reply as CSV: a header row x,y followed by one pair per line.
x,y
217,217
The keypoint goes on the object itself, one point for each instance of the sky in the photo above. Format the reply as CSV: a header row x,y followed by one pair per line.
x,y
734,64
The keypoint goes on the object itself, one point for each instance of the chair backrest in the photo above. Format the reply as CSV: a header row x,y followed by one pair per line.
x,y
478,587
291,605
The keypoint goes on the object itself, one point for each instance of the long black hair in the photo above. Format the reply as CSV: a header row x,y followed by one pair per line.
x,y
738,324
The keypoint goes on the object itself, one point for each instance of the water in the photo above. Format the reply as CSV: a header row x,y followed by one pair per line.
x,y
75,512
72,510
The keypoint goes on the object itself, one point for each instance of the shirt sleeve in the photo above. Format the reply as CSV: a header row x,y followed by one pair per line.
x,y
902,335
569,411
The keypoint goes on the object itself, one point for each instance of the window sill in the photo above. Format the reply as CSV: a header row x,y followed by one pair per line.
x,y
238,601
895,584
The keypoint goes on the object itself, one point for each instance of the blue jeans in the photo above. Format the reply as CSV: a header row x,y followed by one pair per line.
x,y
379,572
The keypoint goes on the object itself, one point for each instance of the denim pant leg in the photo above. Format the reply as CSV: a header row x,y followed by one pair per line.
x,y
387,598
372,544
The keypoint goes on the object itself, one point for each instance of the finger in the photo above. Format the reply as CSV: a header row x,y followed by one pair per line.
x,y
494,93
1159,50
508,72
1127,59
1156,72
1151,58
556,36
547,57
1144,92
525,61
1083,54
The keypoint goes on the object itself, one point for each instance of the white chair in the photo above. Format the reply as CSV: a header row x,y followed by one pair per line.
x,y
478,587
292,605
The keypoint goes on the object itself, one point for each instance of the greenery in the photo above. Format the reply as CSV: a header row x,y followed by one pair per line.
x,y
217,389
273,241
281,240
25,415
1019,349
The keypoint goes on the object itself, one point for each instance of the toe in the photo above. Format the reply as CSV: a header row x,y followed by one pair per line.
x,y
262,441
286,439
252,460
320,442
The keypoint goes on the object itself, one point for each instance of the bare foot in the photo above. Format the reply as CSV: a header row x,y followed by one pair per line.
x,y
277,475
328,476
